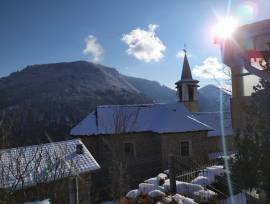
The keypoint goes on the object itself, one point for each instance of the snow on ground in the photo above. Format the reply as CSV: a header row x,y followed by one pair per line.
x,y
159,187
201,180
156,193
183,200
133,193
183,187
188,188
162,176
47,201
154,181
204,195
145,188
211,172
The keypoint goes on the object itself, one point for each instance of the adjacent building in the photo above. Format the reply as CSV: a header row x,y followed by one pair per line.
x,y
58,171
247,53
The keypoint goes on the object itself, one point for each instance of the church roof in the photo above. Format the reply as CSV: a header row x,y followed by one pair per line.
x,y
213,119
159,118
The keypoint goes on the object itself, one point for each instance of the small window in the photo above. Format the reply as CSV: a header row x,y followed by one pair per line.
x,y
191,92
184,148
129,149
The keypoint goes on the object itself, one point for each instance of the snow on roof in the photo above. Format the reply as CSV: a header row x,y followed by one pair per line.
x,y
159,118
27,166
213,120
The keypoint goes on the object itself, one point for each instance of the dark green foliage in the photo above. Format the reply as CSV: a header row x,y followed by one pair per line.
x,y
245,167
252,164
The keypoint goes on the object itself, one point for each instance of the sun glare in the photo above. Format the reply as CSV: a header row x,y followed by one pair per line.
x,y
225,28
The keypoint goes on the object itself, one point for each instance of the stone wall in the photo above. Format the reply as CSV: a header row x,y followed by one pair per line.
x,y
119,171
197,145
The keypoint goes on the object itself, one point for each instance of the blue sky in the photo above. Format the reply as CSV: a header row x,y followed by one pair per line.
x,y
37,32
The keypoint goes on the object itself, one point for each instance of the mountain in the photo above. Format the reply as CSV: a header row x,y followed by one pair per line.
x,y
153,90
209,99
42,102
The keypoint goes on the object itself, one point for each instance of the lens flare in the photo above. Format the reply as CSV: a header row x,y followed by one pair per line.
x,y
247,11
225,28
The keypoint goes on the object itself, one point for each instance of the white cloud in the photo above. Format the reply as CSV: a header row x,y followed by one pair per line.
x,y
144,44
180,54
93,48
211,68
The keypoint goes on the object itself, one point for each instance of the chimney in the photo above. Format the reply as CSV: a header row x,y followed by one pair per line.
x,y
79,149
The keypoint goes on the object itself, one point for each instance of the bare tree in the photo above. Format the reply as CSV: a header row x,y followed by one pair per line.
x,y
124,120
6,125
224,84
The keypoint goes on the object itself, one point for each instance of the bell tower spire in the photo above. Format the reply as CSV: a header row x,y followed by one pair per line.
x,y
187,87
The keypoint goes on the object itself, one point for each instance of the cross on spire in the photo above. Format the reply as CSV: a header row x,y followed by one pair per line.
x,y
185,49
186,71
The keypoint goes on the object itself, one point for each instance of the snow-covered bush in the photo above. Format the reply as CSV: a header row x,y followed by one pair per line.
x,y
162,176
212,172
47,201
145,188
154,189
157,181
133,194
156,193
201,180
187,188
183,187
154,181
204,195
183,200
166,185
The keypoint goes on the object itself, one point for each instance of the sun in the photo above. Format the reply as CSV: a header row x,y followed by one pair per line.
x,y
225,27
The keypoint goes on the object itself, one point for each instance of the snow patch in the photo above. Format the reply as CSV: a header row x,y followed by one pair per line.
x,y
187,188
201,180
212,172
47,201
183,200
204,195
133,193
156,193
145,188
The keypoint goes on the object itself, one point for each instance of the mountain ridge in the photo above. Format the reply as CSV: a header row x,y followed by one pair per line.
x,y
48,99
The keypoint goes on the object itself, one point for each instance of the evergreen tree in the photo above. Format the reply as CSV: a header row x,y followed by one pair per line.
x,y
252,163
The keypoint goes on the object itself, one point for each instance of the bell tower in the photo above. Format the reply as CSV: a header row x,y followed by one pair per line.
x,y
187,87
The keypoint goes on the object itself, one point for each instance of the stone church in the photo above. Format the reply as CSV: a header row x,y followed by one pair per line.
x,y
135,140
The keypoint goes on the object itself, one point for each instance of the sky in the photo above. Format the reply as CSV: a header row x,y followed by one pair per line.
x,y
141,38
